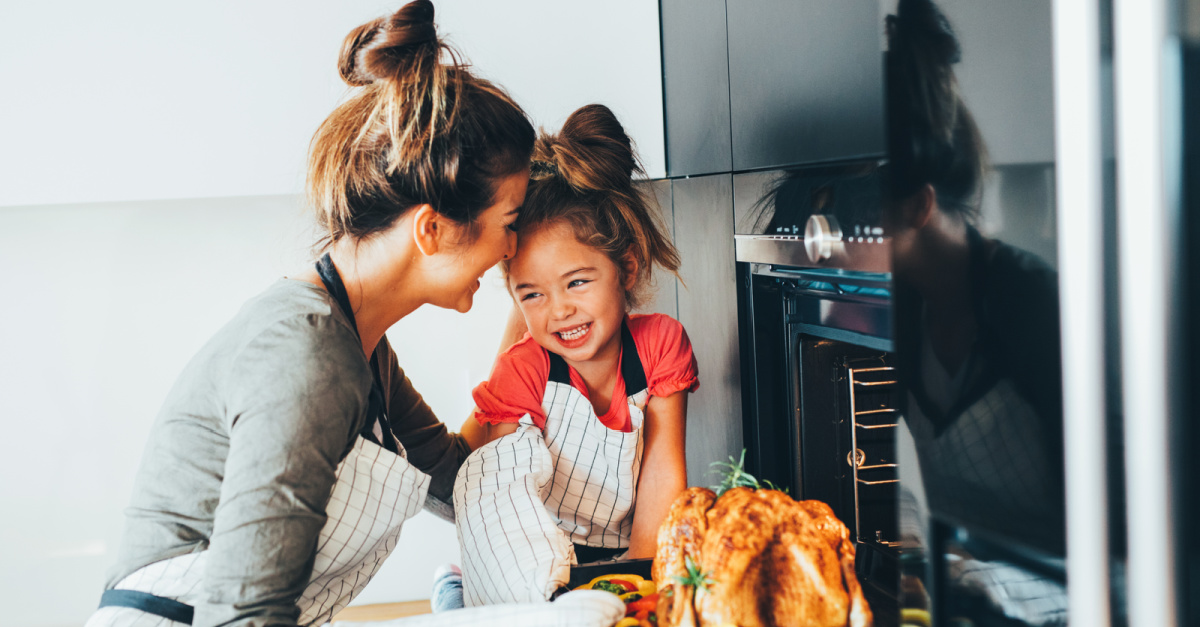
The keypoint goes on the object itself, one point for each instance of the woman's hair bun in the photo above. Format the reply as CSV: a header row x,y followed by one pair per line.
x,y
386,47
592,152
922,24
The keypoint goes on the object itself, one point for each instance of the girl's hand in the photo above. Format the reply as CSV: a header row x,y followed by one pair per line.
x,y
664,470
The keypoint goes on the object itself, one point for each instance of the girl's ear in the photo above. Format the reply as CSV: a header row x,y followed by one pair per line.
x,y
629,270
429,230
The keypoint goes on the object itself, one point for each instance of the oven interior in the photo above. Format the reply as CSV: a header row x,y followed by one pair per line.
x,y
821,415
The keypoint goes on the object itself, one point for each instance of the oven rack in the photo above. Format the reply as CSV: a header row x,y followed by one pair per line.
x,y
856,456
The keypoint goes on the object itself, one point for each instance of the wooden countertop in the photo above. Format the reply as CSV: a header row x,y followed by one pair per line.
x,y
383,611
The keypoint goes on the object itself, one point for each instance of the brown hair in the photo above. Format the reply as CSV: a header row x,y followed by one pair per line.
x,y
421,130
583,177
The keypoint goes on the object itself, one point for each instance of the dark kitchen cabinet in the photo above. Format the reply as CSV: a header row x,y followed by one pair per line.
x,y
805,81
695,87
708,310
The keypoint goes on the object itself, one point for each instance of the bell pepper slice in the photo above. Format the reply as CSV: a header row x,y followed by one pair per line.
x,y
647,603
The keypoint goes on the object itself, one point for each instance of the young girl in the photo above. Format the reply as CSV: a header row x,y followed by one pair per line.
x,y
602,392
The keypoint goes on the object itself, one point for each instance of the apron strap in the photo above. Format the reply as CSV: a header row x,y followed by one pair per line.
x,y
631,365
169,609
632,371
376,407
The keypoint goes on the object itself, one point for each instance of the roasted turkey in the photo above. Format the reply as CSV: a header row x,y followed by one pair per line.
x,y
755,558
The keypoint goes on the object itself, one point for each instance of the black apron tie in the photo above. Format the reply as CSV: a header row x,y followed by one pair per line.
x,y
376,407
169,609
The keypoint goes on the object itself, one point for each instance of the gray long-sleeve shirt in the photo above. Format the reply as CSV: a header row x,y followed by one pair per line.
x,y
243,454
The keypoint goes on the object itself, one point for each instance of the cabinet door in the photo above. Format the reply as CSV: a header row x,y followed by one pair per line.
x,y
708,310
696,87
806,81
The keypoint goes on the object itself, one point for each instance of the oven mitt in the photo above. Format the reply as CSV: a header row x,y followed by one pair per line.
x,y
512,548
581,608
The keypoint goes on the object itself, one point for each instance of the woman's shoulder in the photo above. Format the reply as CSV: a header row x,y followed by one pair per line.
x,y
292,310
291,327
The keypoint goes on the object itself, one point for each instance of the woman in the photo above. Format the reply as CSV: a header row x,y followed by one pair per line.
x,y
977,322
292,447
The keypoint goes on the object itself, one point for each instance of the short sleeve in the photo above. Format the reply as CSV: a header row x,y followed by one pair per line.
x,y
666,354
515,387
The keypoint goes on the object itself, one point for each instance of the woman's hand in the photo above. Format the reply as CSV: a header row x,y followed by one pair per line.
x,y
664,470
514,329
477,435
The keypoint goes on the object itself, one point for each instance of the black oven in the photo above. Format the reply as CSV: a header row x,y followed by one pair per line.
x,y
820,391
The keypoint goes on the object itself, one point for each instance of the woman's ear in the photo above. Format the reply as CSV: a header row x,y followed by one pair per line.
x,y
428,230
916,210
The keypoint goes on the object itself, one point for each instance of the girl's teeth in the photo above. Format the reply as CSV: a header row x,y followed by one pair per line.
x,y
573,334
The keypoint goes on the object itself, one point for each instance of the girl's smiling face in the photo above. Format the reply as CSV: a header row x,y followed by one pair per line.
x,y
572,295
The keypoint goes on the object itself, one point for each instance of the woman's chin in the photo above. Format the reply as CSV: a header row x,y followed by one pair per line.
x,y
464,304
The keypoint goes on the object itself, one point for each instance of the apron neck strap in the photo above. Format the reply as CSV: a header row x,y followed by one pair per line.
x,y
336,288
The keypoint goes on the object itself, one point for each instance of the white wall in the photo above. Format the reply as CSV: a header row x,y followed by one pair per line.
x,y
138,99
151,157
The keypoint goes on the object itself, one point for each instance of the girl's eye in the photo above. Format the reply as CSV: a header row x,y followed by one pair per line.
x,y
578,282
529,296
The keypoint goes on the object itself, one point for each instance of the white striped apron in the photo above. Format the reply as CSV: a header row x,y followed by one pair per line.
x,y
596,469
375,492
524,500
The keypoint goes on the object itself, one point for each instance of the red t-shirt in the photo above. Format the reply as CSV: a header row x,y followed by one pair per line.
x,y
518,380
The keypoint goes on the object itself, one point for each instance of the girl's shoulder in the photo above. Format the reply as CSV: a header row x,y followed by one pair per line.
x,y
666,353
657,330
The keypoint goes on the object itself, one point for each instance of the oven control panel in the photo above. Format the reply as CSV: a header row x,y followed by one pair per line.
x,y
822,243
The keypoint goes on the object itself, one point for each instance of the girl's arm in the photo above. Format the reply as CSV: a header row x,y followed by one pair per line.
x,y
664,470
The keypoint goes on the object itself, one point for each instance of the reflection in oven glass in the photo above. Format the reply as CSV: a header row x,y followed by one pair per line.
x,y
977,337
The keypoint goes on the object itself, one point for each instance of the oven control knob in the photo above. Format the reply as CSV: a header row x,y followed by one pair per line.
x,y
822,236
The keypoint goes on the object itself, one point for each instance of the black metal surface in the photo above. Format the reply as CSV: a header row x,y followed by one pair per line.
x,y
1190,427
695,87
805,80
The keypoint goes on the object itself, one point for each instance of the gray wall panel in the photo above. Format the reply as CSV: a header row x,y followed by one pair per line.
x,y
708,310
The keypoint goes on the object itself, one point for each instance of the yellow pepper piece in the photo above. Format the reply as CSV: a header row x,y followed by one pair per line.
x,y
646,588
628,621
636,580
915,616
633,579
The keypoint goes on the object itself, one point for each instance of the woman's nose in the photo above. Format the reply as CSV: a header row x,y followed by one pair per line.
x,y
510,245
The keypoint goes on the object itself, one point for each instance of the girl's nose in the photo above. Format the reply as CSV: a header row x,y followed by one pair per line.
x,y
562,308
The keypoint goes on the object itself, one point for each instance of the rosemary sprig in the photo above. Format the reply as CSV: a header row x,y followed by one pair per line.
x,y
733,475
695,577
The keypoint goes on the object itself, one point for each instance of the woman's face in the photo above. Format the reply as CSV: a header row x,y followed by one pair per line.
x,y
496,240
572,295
